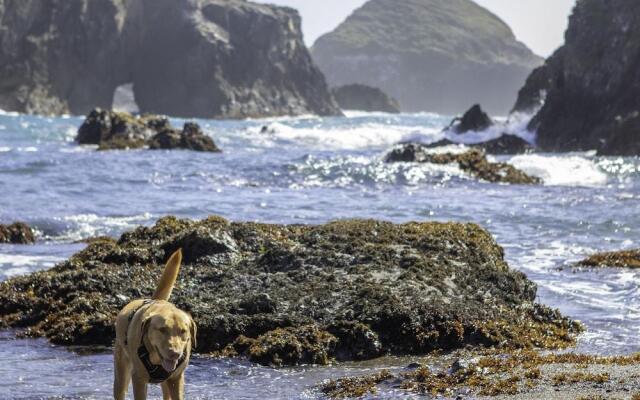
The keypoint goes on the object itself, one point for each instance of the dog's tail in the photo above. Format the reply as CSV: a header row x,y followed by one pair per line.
x,y
169,276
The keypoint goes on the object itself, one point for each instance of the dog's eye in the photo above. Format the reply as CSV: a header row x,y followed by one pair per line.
x,y
164,330
183,332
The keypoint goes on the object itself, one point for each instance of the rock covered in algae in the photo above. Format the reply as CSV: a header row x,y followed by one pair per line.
x,y
619,259
473,161
520,374
291,294
17,233
113,130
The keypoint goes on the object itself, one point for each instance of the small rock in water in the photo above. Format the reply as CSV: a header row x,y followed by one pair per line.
x,y
473,161
475,119
112,130
17,233
618,259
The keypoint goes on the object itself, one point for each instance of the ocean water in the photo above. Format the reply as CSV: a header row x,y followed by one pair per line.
x,y
309,170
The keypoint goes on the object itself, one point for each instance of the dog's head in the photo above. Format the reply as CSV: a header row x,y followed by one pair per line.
x,y
170,332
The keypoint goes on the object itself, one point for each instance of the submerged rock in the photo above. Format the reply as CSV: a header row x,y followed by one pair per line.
x,y
473,161
475,119
121,130
206,58
619,259
17,233
588,89
287,294
522,374
365,98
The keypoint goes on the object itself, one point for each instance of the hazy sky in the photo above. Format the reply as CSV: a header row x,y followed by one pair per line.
x,y
538,23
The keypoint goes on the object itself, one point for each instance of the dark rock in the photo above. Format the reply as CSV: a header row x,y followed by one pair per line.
x,y
431,55
114,130
259,304
120,130
473,161
356,341
191,138
289,346
358,289
503,145
17,233
209,58
506,144
474,120
591,84
365,98
617,259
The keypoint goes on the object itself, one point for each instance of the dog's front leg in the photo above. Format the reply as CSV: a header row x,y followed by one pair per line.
x,y
122,372
175,388
166,392
139,388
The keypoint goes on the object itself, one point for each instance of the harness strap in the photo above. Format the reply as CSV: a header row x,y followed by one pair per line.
x,y
157,374
132,315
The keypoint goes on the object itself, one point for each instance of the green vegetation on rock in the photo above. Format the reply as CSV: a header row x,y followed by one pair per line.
x,y
291,294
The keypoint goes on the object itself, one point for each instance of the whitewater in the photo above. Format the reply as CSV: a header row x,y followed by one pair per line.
x,y
310,170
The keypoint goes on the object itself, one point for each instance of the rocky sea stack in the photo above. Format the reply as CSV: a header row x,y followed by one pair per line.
x,y
185,58
475,119
112,130
365,98
590,86
298,294
431,55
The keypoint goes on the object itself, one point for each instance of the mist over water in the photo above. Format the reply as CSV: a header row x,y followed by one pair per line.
x,y
309,170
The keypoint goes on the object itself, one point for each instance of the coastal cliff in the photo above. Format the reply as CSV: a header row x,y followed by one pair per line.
x,y
185,58
590,87
431,55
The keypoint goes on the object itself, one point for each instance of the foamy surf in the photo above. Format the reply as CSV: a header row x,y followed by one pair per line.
x,y
365,136
84,226
12,264
561,170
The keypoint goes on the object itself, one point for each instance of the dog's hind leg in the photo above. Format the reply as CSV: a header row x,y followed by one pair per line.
x,y
122,373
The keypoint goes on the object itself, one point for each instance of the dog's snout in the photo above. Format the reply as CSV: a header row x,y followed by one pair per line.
x,y
174,355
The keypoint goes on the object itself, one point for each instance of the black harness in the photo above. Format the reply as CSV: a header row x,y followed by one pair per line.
x,y
157,374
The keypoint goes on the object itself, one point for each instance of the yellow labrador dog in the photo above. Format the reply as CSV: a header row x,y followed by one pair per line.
x,y
153,341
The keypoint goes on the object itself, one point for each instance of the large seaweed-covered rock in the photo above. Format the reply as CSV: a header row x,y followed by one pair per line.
x,y
16,233
112,130
591,85
186,58
431,55
365,98
473,161
286,294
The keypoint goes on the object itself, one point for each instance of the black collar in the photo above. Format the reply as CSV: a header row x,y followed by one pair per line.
x,y
157,374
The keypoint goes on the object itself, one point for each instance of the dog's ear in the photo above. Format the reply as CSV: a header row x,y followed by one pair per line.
x,y
193,328
144,328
